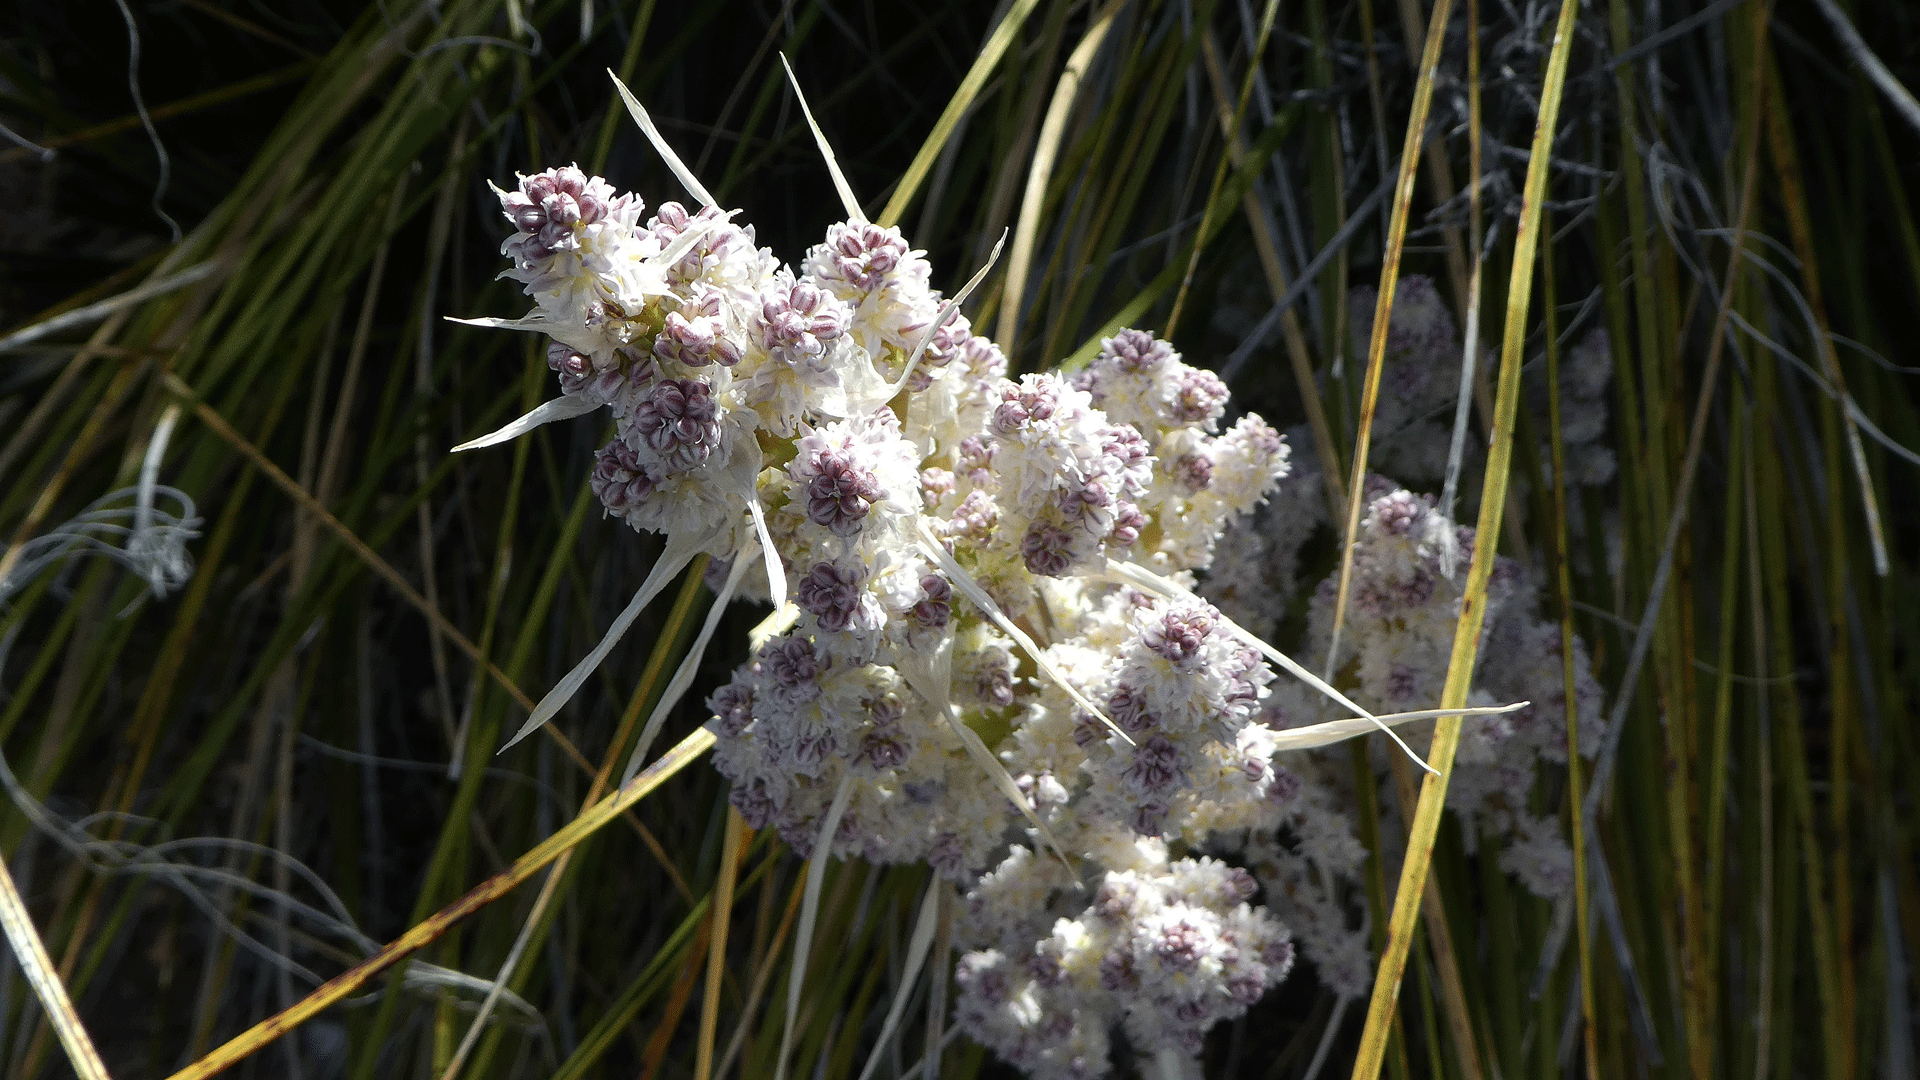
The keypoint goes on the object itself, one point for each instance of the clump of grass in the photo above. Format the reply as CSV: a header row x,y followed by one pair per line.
x,y
1725,191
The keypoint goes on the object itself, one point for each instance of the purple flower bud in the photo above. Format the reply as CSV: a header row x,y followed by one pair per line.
x,y
948,857
695,335
1200,398
1260,436
1034,401
1277,954
1047,550
1398,513
982,359
1113,901
976,458
936,606
1046,969
882,750
1127,523
814,745
754,804
574,368
840,492
795,666
975,518
1180,633
797,320
1402,681
1385,596
1156,767
864,256
1134,350
1193,473
1085,500
1190,1013
995,685
1127,707
935,484
980,974
885,710
1117,973
732,707
1150,818
1241,884
1087,729
831,594
1180,945
1126,446
619,479
1246,988
551,207
680,421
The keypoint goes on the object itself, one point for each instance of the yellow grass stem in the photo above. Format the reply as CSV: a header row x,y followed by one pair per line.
x,y
732,848
1439,935
424,933
1466,638
962,100
38,966
1045,150
1268,246
1383,307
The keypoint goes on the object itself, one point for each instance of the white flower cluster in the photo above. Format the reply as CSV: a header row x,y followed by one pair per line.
x,y
958,649
1256,568
1398,635
1419,378
1586,372
1165,950
1394,651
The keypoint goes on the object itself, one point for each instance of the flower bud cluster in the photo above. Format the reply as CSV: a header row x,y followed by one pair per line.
x,y
1419,378
1586,375
1164,950
944,539
1393,654
1200,480
1409,564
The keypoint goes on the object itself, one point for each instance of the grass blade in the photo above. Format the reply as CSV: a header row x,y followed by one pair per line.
x,y
1466,638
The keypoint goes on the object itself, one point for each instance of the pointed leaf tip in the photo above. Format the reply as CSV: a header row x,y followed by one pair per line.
x,y
678,167
833,164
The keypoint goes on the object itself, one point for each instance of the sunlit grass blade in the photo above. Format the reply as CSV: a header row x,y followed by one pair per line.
x,y
1383,308
1466,640
341,986
1046,146
845,190
810,915
47,987
963,98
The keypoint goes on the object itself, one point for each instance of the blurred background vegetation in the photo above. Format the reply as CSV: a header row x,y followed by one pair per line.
x,y
226,794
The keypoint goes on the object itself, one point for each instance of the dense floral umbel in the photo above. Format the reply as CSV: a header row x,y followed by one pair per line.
x,y
1419,378
941,534
1398,635
1163,950
1394,652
